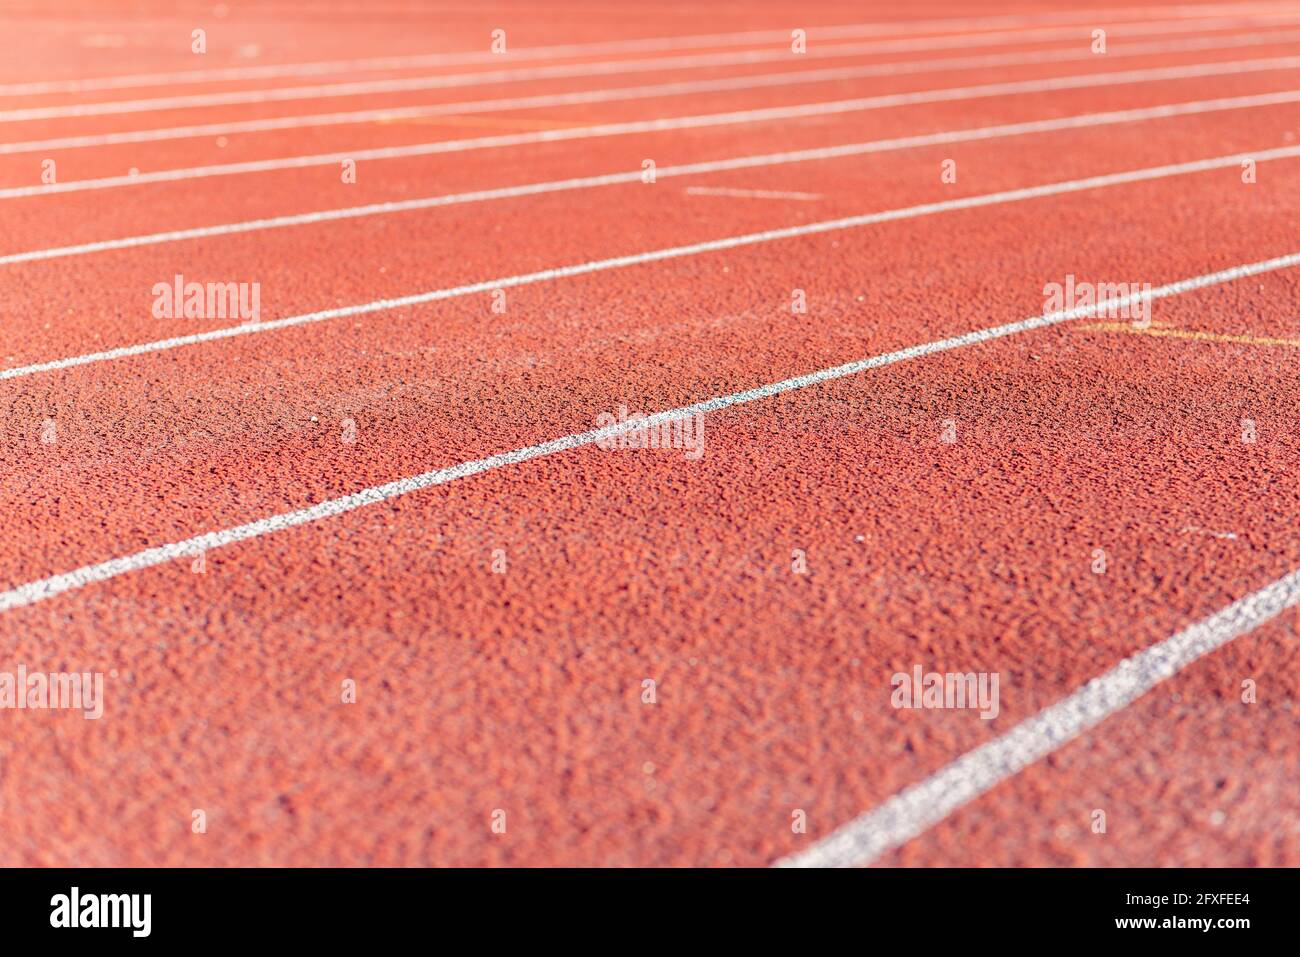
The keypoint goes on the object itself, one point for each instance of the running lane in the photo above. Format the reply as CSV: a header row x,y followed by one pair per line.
x,y
522,690
479,159
362,259
554,338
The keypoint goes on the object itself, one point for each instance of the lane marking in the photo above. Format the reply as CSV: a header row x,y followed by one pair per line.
x,y
1163,332
639,45
916,809
749,193
844,844
609,179
658,255
619,94
948,94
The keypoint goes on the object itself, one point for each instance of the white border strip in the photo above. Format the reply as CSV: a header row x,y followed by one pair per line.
x,y
916,809
947,94
618,94
45,588
638,45
713,166
658,255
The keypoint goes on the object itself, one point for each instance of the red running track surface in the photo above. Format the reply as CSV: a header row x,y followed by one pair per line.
x,y
653,656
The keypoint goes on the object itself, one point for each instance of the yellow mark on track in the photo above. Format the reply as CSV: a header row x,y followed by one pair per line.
x,y
1194,529
1163,331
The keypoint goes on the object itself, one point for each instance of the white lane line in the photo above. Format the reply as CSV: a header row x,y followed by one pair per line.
x,y
749,193
444,81
616,94
886,101
639,45
658,255
35,591
713,166
914,810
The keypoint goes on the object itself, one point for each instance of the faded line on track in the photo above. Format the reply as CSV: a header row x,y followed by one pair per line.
x,y
610,68
712,166
916,809
638,45
735,193
686,122
1192,335
785,78
42,589
658,255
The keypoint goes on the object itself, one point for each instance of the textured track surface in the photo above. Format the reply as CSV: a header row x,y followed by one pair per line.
x,y
649,656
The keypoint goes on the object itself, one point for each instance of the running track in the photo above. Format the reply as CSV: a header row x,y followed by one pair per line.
x,y
391,483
